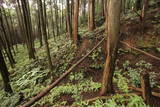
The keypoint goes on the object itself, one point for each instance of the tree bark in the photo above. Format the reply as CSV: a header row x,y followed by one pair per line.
x,y
91,15
113,28
75,21
69,26
28,29
6,40
4,73
146,89
45,34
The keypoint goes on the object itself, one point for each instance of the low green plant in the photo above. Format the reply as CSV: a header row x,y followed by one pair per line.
x,y
121,81
116,101
96,66
158,49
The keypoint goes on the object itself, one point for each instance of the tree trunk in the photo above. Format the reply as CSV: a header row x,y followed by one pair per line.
x,y
4,73
56,18
75,21
146,89
45,34
52,19
5,38
102,8
28,29
91,15
69,26
113,28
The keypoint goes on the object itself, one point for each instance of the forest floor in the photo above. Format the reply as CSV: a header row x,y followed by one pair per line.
x,y
29,77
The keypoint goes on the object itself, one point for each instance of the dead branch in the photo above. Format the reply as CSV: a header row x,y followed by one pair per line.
x,y
45,91
146,53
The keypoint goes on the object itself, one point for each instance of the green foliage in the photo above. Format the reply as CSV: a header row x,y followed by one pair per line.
x,y
116,101
9,100
76,76
97,66
32,76
144,64
29,79
158,49
134,72
136,101
96,54
74,90
121,81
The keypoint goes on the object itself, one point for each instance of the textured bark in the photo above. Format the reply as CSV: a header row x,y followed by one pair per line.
x,y
28,28
56,17
68,17
45,34
75,21
4,73
39,27
72,10
6,41
21,22
53,27
91,15
102,8
113,28
146,89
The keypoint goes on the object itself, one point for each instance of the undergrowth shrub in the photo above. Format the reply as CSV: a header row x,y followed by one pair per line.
x,y
116,101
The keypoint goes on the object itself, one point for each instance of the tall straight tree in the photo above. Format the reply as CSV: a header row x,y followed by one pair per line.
x,y
91,15
39,27
6,40
102,8
51,7
113,28
75,21
28,28
45,33
56,17
4,73
68,17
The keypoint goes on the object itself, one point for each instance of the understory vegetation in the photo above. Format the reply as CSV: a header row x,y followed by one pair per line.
x,y
136,51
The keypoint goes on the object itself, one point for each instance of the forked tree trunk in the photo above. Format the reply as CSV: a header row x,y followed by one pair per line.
x,y
75,21
113,28
91,15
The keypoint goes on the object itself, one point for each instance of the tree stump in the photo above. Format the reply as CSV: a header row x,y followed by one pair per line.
x,y
152,101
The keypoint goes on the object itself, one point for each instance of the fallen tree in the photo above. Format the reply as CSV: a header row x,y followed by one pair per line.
x,y
146,53
50,87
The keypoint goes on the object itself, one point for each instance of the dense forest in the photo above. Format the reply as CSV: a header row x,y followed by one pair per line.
x,y
79,53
